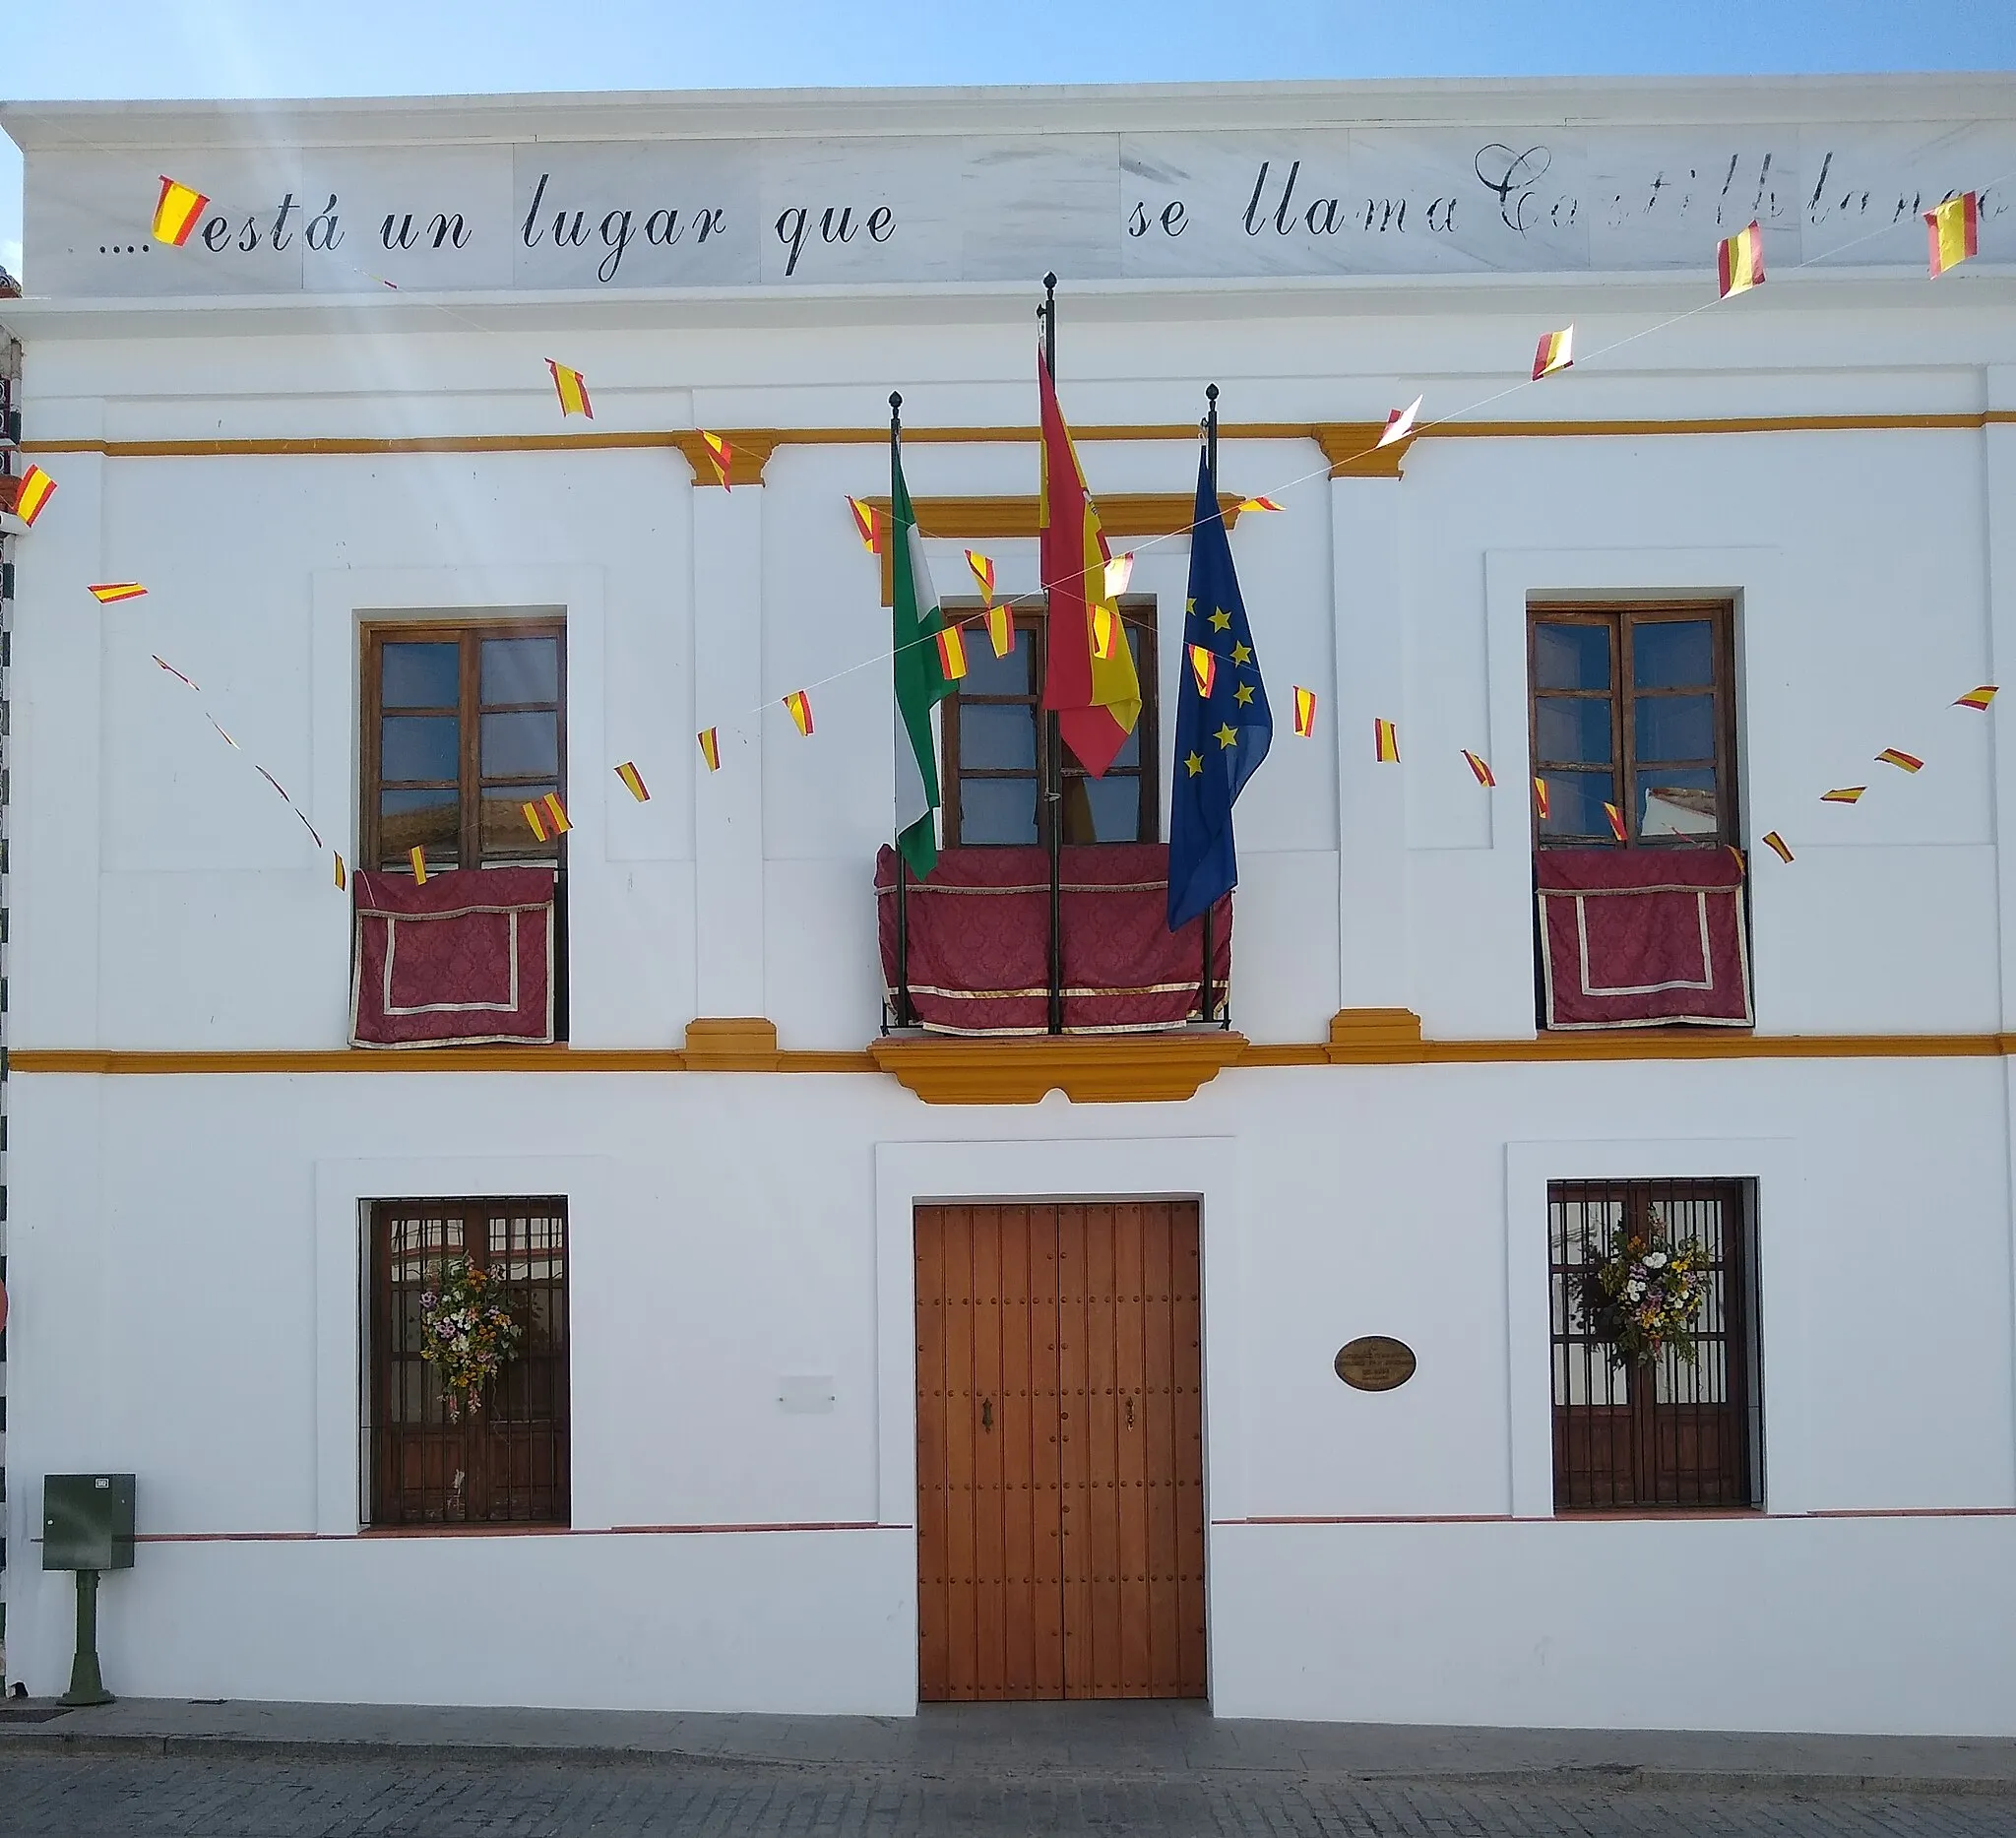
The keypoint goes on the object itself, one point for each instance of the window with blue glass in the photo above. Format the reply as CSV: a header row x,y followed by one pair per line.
x,y
1634,708
1006,769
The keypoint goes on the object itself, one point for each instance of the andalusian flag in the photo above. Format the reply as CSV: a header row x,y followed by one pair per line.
x,y
1091,686
922,681
1954,230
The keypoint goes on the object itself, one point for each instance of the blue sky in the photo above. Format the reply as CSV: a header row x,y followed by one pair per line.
x,y
118,48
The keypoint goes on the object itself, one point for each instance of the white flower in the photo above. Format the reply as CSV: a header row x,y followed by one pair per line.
x,y
1657,1261
1634,1291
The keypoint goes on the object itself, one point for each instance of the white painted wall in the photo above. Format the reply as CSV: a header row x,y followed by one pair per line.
x,y
183,1256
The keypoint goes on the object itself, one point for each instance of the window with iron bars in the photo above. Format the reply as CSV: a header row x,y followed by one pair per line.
x,y
506,1460
1670,1432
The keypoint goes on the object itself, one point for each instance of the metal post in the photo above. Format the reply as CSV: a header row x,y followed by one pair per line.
x,y
903,1019
87,1683
1047,311
1211,471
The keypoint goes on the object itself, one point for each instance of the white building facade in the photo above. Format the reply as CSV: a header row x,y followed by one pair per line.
x,y
326,426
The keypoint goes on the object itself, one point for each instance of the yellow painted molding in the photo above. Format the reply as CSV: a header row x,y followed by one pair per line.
x,y
979,520
1349,446
730,1044
1087,1068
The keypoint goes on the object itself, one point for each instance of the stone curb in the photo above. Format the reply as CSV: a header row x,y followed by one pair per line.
x,y
1629,1776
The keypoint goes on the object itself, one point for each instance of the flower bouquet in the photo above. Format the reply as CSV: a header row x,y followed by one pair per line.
x,y
465,1332
1643,1295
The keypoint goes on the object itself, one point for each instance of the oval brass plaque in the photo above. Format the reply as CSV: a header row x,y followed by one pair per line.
x,y
1375,1362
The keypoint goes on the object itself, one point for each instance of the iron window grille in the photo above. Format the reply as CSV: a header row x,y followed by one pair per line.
x,y
1671,1433
507,1461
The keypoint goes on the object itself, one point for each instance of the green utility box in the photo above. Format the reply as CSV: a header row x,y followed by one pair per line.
x,y
88,1522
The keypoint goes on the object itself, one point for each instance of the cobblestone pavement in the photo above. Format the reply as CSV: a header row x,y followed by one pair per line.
x,y
197,1797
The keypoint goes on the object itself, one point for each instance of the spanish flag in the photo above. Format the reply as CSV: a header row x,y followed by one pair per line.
x,y
175,212
36,488
800,706
1089,686
1844,795
722,453
1616,818
709,747
1540,797
1482,771
1954,230
633,781
1775,844
1257,504
1386,744
573,391
1002,629
951,653
342,875
1400,422
1976,697
556,814
1904,761
1740,261
106,592
983,567
1204,668
1305,712
1557,352
533,822
418,857
870,525
1119,571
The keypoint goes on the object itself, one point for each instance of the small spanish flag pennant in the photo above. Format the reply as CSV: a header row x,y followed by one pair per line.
x,y
35,490
342,875
420,861
1737,856
533,822
633,781
1954,230
1257,504
800,706
1400,422
1976,697
1386,744
1477,766
1775,844
1119,571
556,814
722,453
1305,712
106,592
1002,629
1540,798
709,747
175,212
1557,352
1740,261
176,674
1844,795
1616,818
870,525
983,567
951,653
1904,761
573,391
1203,669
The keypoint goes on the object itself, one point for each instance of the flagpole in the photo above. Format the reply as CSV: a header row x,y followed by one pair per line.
x,y
1211,469
1047,313
902,1018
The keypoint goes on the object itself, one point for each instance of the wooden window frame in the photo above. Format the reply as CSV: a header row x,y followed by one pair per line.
x,y
1622,618
475,1444
468,635
1638,1429
1138,614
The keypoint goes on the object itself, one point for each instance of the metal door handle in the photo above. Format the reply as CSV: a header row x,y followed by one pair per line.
x,y
1130,1413
986,1413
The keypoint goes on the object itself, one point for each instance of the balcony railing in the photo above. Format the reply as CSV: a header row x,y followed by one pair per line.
x,y
989,943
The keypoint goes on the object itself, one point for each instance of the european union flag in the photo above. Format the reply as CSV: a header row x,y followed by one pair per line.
x,y
1224,726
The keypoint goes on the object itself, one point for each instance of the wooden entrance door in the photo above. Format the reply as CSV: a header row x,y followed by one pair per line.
x,y
1060,1452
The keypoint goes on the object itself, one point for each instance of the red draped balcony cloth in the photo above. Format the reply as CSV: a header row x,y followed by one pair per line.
x,y
461,961
980,941
1644,937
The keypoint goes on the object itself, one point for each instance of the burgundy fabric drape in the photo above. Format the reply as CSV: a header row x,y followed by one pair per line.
x,y
463,960
1642,937
980,941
